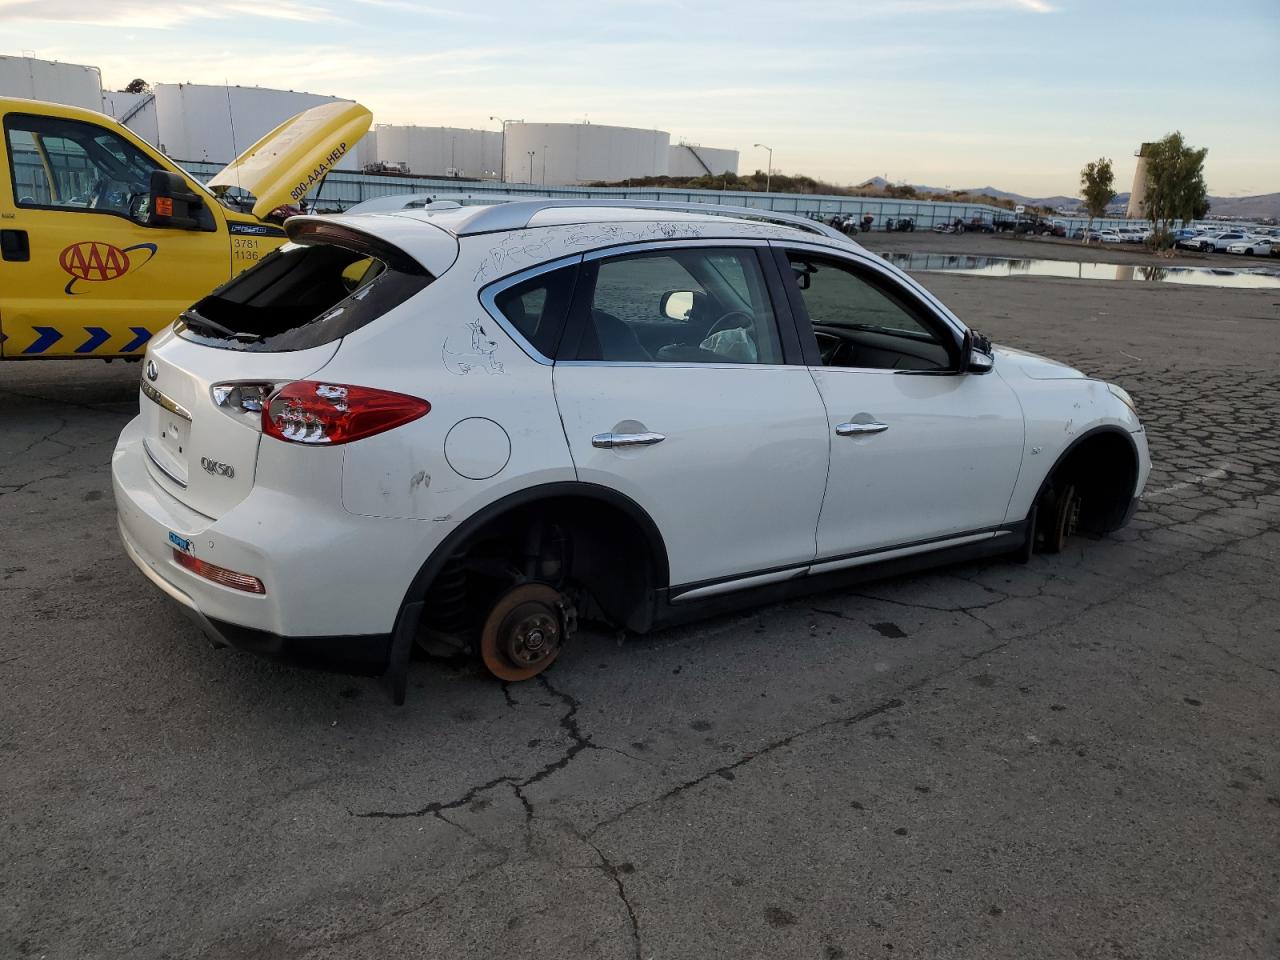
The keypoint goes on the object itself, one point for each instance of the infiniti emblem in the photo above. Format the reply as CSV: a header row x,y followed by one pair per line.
x,y
152,372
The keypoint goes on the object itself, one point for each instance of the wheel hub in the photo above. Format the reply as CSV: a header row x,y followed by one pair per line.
x,y
524,632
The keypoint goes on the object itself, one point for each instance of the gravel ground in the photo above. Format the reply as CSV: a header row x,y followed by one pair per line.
x,y
1075,758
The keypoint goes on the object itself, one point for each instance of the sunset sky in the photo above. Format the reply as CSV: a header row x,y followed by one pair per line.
x,y
1018,94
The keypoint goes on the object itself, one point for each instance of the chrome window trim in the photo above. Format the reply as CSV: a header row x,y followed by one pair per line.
x,y
151,393
863,258
650,246
680,365
489,295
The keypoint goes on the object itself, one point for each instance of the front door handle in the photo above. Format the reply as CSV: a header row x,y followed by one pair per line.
x,y
860,429
607,441
15,245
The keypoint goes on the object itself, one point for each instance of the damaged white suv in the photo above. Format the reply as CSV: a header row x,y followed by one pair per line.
x,y
471,426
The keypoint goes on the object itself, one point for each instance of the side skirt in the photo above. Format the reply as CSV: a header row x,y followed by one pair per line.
x,y
667,614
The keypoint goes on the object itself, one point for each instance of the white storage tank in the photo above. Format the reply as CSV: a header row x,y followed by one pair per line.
x,y
212,124
439,151
137,111
579,153
695,160
71,83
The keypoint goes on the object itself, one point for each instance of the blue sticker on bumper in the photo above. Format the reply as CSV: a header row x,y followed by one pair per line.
x,y
181,543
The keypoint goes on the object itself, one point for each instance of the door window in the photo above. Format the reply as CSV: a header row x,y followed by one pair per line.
x,y
536,307
695,305
70,165
863,323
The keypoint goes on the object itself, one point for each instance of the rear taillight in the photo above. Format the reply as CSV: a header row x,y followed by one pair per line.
x,y
217,574
308,411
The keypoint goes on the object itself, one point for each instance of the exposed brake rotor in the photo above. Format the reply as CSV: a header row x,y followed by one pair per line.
x,y
525,631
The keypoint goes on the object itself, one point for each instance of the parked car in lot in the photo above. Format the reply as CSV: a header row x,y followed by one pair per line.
x,y
1110,236
1216,242
1251,247
476,426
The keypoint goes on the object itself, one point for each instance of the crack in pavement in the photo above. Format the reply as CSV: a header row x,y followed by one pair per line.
x,y
578,743
615,874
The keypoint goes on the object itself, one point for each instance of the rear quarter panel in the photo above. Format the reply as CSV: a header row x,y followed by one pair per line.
x,y
493,427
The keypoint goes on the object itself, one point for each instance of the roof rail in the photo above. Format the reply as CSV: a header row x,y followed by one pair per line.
x,y
516,214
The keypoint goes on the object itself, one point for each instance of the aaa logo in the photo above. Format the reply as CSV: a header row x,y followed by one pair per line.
x,y
94,261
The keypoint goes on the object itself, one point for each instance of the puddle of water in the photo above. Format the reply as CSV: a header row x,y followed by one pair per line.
x,y
1259,279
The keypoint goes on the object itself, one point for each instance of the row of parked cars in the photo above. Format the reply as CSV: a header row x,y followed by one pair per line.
x,y
1256,242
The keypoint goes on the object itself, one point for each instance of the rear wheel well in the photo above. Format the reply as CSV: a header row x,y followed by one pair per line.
x,y
1103,470
597,551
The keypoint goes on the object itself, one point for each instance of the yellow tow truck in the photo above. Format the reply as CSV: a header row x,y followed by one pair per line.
x,y
104,240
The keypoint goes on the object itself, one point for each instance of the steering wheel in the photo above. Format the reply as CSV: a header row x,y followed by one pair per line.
x,y
724,324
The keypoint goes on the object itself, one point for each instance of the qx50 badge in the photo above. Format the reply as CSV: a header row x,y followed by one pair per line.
x,y
216,468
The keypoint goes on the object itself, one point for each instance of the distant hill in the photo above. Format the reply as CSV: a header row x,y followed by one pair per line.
x,y
1260,207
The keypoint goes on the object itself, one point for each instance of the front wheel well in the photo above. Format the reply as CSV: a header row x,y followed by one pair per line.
x,y
1102,467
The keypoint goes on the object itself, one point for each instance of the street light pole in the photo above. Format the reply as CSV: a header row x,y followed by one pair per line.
x,y
502,161
532,153
768,174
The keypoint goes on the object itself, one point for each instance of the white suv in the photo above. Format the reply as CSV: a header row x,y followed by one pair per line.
x,y
470,426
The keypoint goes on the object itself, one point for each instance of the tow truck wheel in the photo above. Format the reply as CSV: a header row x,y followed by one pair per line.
x,y
525,631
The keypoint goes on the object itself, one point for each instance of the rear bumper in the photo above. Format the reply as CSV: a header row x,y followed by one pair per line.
x,y
359,653
364,654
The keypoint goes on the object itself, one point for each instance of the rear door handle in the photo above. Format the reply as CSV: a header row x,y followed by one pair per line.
x,y
860,429
607,441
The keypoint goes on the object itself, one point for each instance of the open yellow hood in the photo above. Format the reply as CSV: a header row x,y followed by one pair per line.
x,y
291,159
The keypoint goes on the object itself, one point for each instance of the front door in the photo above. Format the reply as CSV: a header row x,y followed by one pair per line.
x,y
80,275
919,453
674,389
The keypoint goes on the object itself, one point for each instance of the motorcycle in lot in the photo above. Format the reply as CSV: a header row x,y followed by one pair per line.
x,y
903,224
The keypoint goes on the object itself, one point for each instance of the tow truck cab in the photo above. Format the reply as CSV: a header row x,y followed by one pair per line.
x,y
104,240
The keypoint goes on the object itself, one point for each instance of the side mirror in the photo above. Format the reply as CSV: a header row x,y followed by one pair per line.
x,y
677,304
975,354
171,203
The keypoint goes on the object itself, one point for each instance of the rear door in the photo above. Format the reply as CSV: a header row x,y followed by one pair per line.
x,y
678,387
80,275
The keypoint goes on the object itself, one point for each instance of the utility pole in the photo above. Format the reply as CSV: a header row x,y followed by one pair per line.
x,y
532,153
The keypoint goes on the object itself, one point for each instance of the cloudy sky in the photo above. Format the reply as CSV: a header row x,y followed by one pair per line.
x,y
1013,93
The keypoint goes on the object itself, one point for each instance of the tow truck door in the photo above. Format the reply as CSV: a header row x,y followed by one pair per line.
x,y
79,275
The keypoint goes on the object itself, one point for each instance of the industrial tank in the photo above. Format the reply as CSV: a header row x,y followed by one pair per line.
x,y
213,124
71,83
578,153
439,151
695,160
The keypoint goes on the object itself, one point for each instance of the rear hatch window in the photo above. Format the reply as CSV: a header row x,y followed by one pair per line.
x,y
328,282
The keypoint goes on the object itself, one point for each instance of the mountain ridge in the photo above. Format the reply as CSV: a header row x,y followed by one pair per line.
x,y
1266,205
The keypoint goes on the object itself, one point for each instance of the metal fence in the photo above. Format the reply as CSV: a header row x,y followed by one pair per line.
x,y
342,189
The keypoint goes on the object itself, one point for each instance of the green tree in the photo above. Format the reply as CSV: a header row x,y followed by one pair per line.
x,y
138,85
1097,189
1175,185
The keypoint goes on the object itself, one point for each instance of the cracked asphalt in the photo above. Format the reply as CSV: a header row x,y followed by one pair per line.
x,y
1079,757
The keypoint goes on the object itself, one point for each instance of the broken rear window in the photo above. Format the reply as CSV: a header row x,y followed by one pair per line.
x,y
305,294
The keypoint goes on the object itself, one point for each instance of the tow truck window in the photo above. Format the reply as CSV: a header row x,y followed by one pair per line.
x,y
69,165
